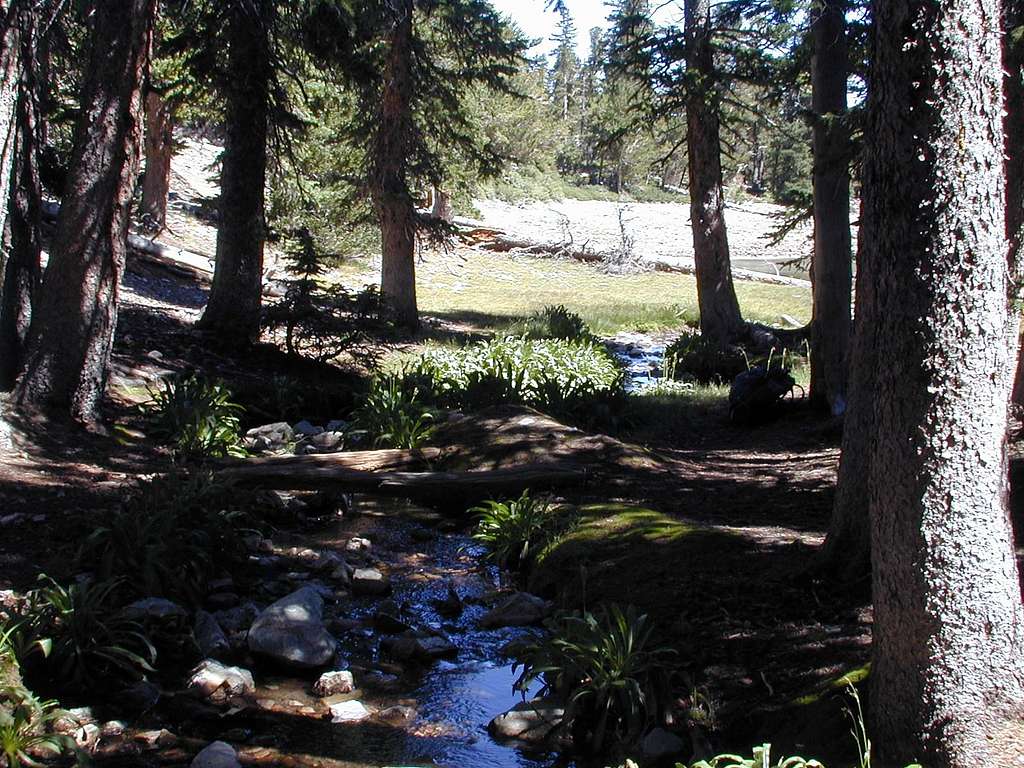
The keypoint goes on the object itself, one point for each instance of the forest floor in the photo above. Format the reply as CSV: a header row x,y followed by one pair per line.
x,y
708,525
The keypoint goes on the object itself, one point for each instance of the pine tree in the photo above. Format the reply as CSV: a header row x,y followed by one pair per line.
x,y
566,64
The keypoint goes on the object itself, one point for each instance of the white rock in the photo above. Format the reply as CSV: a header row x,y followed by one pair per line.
x,y
370,581
219,683
348,712
334,683
530,722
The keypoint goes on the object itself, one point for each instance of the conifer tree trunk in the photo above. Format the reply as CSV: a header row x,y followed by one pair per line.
x,y
832,275
159,148
73,322
10,50
947,678
1013,66
21,237
233,311
720,319
395,209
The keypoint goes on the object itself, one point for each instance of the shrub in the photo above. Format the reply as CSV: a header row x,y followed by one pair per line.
x,y
691,355
574,379
513,531
89,642
171,536
195,416
613,684
23,728
556,322
393,416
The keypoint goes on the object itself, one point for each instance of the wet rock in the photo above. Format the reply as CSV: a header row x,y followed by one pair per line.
x,y
291,631
307,429
150,741
660,743
450,605
410,648
154,609
520,610
343,575
113,729
397,714
529,722
219,754
358,545
209,636
388,618
348,712
381,681
220,684
87,736
334,683
328,561
269,437
73,719
220,601
237,619
370,582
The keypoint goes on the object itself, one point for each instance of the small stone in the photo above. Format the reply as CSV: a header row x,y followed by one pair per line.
x,y
328,442
334,683
405,648
358,544
219,683
397,714
87,736
219,754
113,729
371,582
153,740
209,636
348,712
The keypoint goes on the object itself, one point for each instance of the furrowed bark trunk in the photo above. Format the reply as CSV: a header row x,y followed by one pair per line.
x,y
720,318
233,311
10,49
1013,84
73,322
947,679
832,275
395,207
21,243
156,179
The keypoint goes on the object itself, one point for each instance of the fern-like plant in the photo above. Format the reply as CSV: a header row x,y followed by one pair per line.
x,y
196,416
513,531
24,720
603,666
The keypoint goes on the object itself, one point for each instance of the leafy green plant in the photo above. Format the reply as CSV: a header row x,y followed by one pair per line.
x,y
556,322
576,379
693,356
393,416
90,641
513,531
760,759
196,416
170,537
613,683
23,723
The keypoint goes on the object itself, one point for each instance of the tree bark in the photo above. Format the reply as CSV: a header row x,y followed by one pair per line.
x,y
233,310
1013,83
720,318
832,276
395,207
947,679
156,179
73,323
10,51
21,238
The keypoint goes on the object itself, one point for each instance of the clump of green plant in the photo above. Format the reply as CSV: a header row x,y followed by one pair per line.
x,y
171,536
87,640
695,357
24,721
556,322
761,759
603,665
513,531
393,416
576,379
195,416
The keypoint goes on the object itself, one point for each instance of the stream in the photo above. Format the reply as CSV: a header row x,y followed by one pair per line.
x,y
433,715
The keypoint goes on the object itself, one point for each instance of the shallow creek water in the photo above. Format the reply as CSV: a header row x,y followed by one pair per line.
x,y
453,700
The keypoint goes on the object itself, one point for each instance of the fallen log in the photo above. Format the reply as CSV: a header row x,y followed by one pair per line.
x,y
276,469
442,488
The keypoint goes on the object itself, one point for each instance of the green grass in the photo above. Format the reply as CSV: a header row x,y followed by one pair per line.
x,y
492,291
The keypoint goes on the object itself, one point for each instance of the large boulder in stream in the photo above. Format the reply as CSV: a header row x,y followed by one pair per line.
x,y
219,754
291,631
531,723
519,610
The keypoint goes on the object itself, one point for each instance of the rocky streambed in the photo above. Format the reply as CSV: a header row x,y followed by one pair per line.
x,y
376,638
